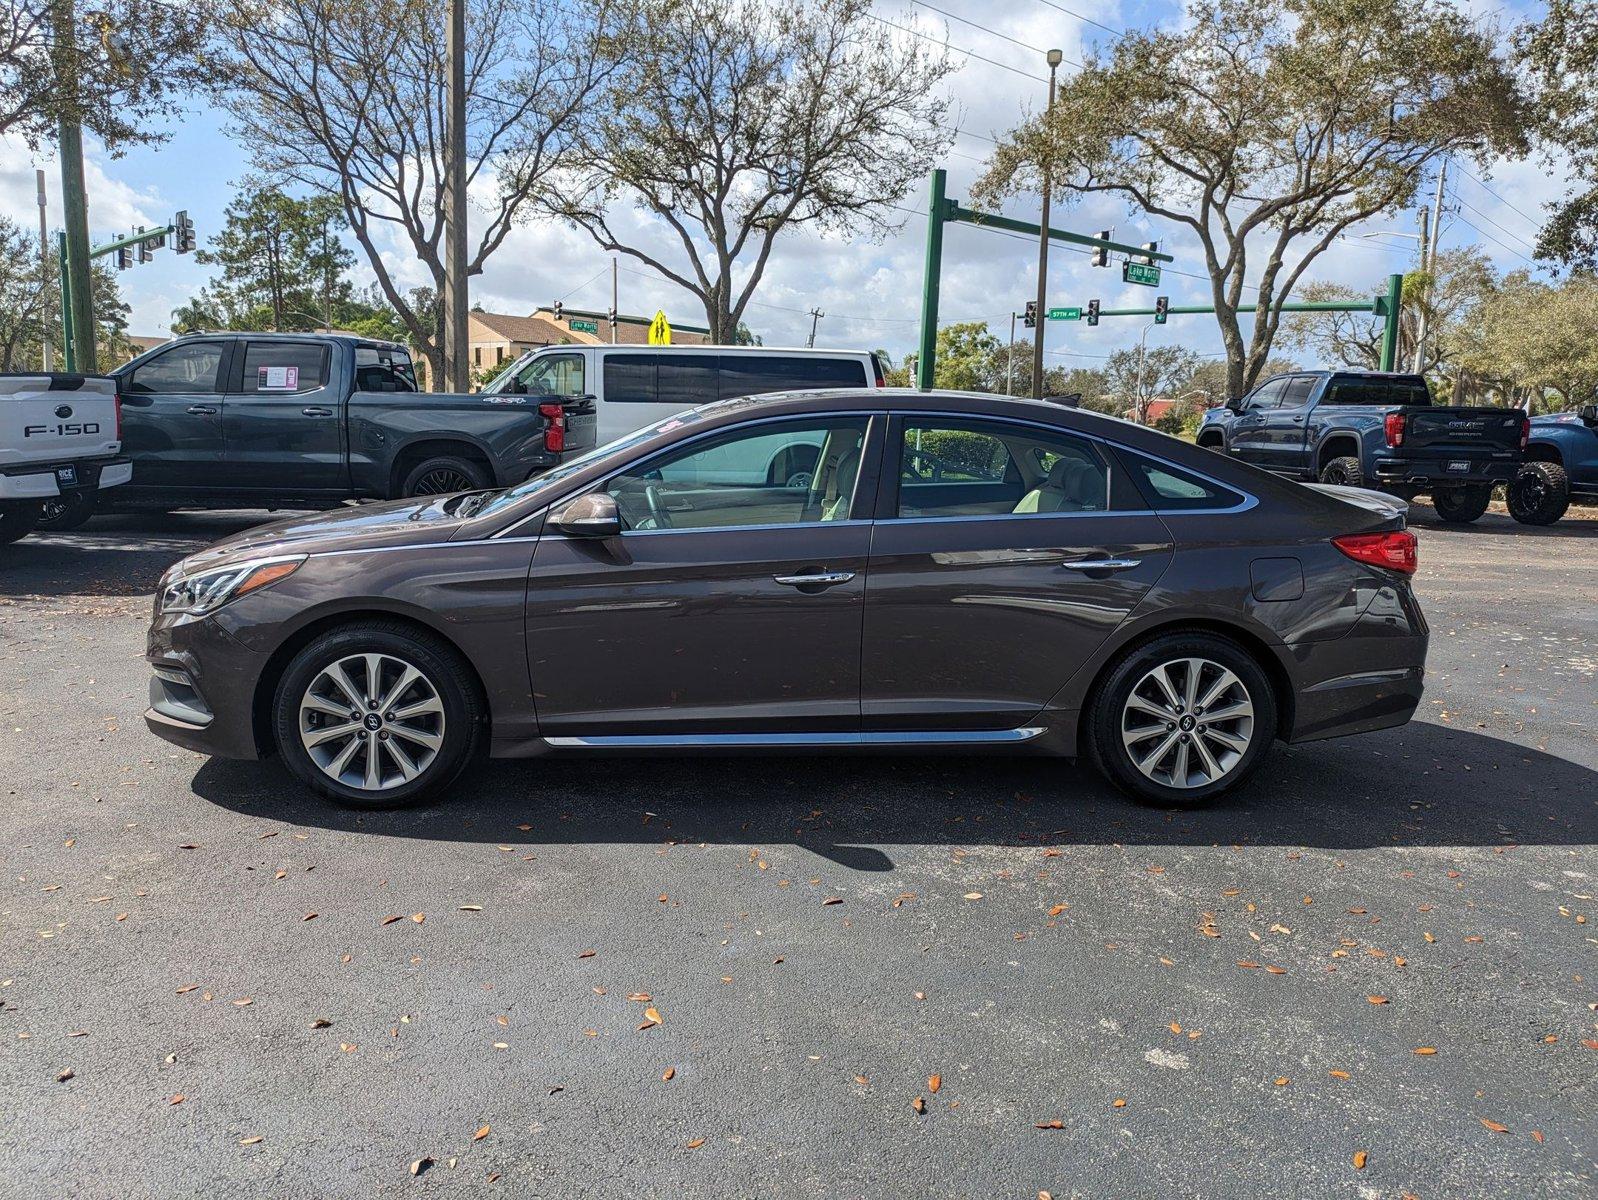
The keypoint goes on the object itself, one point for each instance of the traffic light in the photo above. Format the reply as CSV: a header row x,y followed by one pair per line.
x,y
1162,309
1101,256
1093,312
1031,318
558,308
183,233
146,252
1149,249
124,257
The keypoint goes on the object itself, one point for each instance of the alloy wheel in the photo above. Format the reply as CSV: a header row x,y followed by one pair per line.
x,y
441,481
371,721
1187,723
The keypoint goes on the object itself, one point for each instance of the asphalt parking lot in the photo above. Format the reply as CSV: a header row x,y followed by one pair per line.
x,y
1371,974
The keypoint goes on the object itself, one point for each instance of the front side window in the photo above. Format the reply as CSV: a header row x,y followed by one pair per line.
x,y
284,367
1268,394
978,468
784,474
183,370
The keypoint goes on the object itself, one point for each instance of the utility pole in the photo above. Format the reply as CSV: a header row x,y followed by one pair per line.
x,y
77,304
456,367
1428,260
44,273
815,316
613,299
1054,58
1009,360
1137,390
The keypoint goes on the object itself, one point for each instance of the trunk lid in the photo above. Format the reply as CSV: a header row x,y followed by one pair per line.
x,y
54,418
1468,432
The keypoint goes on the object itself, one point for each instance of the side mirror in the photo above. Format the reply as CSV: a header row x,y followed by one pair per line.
x,y
594,515
1234,404
1588,414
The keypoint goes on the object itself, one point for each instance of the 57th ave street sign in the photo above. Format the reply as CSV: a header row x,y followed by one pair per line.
x,y
1064,314
1145,273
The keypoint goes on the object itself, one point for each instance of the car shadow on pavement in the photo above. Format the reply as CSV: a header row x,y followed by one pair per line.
x,y
1423,785
1577,523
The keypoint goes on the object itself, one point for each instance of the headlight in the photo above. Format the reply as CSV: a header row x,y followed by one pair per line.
x,y
208,590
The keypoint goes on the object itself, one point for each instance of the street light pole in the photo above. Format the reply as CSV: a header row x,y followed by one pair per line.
x,y
77,305
1009,361
1054,59
44,273
454,199
1137,388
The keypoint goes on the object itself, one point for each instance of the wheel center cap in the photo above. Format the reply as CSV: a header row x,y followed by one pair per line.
x,y
373,721
1187,724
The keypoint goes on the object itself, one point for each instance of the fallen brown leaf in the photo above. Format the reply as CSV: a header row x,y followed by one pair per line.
x,y
919,1104
1425,1049
421,1165
1118,1102
1054,1124
1359,1160
1377,999
1495,1126
667,1074
250,1141
934,1082
696,1143
481,1133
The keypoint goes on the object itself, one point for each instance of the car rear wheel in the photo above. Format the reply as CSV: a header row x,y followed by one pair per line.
x,y
1539,494
68,511
1462,505
377,715
444,475
1181,719
17,519
1345,471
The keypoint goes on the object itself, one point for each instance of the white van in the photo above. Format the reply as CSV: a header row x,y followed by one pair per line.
x,y
635,386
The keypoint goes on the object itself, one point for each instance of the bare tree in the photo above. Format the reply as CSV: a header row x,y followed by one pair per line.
x,y
739,119
348,98
1268,130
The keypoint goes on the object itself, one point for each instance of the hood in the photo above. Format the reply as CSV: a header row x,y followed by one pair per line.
x,y
362,527
1380,503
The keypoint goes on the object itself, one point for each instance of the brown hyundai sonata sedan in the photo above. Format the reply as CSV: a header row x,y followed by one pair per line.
x,y
873,570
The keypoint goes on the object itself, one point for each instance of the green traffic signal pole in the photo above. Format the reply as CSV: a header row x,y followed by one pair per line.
x,y
940,211
72,319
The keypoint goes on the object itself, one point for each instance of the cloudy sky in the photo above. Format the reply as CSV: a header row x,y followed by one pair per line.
x,y
870,292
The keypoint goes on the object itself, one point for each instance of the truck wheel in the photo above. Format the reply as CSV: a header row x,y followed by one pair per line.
x,y
1214,443
442,475
1345,471
70,510
1539,494
17,519
1462,505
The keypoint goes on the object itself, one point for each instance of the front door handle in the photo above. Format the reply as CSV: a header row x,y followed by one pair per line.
x,y
202,410
313,411
1102,564
822,579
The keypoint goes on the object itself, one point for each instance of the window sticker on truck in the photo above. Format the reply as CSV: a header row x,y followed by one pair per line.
x,y
277,379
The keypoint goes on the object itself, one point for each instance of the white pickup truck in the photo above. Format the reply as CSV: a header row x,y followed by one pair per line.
x,y
59,441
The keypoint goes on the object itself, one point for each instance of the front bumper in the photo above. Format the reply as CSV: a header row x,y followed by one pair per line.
x,y
1446,470
44,481
202,687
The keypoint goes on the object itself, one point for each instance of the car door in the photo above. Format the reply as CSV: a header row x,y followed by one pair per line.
x,y
725,610
1249,436
283,424
172,416
1282,439
985,596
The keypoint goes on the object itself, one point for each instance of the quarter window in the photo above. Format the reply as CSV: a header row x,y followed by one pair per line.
x,y
383,369
181,370
978,468
792,473
1170,489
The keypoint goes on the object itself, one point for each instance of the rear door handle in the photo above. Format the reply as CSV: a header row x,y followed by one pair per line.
x,y
820,579
1102,564
202,410
313,411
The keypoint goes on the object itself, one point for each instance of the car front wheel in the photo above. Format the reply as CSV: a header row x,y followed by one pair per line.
x,y
377,715
1182,719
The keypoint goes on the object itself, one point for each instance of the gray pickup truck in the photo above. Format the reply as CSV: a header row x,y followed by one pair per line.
x,y
303,420
1368,429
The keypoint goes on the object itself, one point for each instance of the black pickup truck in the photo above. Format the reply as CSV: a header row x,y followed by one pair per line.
x,y
304,420
1368,429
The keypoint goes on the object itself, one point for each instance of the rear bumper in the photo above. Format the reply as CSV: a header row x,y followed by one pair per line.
x,y
1438,471
42,481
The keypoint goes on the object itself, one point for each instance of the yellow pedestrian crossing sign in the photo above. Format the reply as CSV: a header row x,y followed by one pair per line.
x,y
660,329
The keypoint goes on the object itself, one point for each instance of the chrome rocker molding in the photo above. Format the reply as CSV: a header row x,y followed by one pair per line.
x,y
718,741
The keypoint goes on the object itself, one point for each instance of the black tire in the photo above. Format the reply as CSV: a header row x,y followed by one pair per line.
x,y
68,511
1345,471
442,475
461,719
1216,444
1462,505
1539,493
793,467
1108,706
17,519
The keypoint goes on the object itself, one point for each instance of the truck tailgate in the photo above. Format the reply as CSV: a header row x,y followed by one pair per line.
x,y
1467,432
46,419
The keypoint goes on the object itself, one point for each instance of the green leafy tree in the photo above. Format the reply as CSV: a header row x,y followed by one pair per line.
x,y
1134,376
1263,131
1532,344
1561,54
30,302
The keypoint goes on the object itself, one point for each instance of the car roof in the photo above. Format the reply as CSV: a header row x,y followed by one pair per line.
x,y
803,351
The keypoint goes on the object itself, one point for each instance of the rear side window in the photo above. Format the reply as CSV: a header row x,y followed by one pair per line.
x,y
284,367
1388,392
749,374
1298,390
687,380
180,370
1170,489
630,378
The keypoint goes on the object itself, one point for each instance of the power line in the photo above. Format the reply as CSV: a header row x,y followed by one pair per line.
x,y
1120,33
992,62
991,32
1525,241
1534,220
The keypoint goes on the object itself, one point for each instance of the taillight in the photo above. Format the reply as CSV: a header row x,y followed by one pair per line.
x,y
555,431
1525,430
1393,426
1394,550
117,402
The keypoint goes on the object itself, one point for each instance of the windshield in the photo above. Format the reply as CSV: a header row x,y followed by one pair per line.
x,y
566,470
542,373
